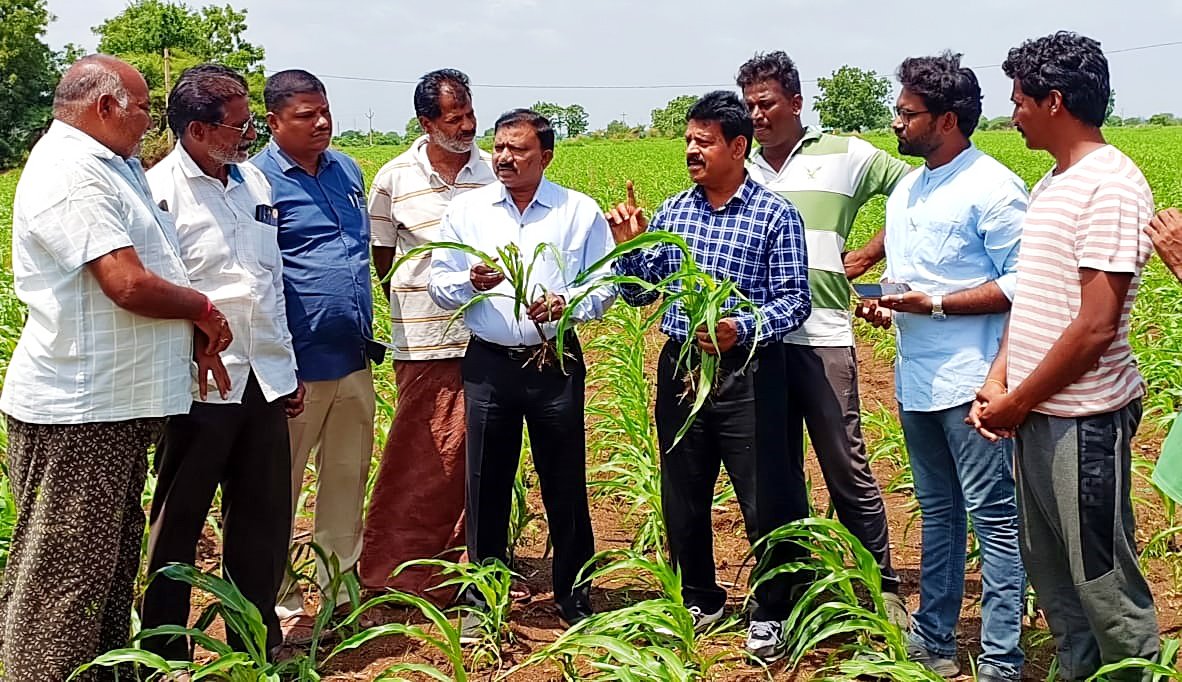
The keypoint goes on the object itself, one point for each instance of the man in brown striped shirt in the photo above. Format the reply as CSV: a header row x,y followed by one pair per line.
x,y
417,509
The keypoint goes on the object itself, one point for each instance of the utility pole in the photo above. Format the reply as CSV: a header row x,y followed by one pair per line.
x,y
167,90
369,115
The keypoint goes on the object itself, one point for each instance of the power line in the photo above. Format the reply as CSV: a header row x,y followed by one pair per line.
x,y
663,86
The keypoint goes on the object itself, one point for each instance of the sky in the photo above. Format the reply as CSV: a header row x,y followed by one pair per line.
x,y
692,45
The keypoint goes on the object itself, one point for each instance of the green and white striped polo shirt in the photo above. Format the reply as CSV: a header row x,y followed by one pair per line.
x,y
828,178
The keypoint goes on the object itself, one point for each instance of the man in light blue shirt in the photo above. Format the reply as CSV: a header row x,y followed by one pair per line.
x,y
952,229
509,370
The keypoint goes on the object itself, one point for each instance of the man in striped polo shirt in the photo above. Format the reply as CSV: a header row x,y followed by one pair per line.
x,y
1065,380
417,509
828,178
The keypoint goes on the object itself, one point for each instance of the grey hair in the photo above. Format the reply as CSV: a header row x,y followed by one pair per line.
x,y
87,80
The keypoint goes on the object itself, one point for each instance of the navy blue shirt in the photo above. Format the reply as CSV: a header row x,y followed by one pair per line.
x,y
324,238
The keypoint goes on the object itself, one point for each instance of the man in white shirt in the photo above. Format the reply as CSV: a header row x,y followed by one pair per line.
x,y
235,435
503,382
104,356
417,507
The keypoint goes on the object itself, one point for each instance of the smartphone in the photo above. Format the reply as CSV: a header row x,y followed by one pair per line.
x,y
880,290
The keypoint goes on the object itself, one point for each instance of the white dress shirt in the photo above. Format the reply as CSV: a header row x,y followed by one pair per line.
x,y
81,358
233,259
486,218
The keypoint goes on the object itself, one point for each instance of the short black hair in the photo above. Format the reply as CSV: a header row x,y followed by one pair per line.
x,y
538,122
430,89
201,93
284,85
730,112
775,66
1068,62
944,85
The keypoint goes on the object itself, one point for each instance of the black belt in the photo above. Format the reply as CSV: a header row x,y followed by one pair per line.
x,y
519,352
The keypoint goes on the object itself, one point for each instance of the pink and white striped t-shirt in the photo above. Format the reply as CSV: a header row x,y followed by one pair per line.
x,y
1090,216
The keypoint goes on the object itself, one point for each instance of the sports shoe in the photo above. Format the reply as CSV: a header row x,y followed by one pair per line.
x,y
944,667
896,611
470,630
703,620
765,640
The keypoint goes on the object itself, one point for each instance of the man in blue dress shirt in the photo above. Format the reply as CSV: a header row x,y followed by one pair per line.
x,y
504,382
952,229
320,210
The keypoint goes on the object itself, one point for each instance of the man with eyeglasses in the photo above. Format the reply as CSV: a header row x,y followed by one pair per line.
x,y
235,434
952,229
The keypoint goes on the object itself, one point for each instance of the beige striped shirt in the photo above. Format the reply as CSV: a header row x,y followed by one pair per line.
x,y
1090,216
406,202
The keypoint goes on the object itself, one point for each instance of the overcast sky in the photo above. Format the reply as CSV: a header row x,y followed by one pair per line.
x,y
694,45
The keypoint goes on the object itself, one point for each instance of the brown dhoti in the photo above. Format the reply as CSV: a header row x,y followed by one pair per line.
x,y
417,509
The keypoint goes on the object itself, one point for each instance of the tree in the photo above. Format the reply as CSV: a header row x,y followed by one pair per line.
x,y
852,99
670,121
555,113
1164,119
1111,105
414,129
163,39
575,120
28,75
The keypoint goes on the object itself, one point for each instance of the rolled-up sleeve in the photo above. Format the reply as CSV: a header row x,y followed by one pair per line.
x,y
1001,229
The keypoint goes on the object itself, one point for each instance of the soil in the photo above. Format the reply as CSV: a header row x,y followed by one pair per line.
x,y
535,623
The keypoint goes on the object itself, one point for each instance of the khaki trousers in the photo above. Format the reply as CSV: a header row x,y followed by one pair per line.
x,y
337,423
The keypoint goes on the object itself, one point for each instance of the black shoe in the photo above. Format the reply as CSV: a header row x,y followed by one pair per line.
x,y
574,609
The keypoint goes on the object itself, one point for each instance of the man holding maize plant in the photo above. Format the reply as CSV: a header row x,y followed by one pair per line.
x,y
104,356
827,178
730,316
952,230
510,370
1066,383
417,507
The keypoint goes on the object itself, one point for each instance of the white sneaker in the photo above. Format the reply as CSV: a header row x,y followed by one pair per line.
x,y
765,640
896,611
703,620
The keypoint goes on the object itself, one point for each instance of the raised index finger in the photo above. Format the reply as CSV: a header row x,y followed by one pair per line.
x,y
631,195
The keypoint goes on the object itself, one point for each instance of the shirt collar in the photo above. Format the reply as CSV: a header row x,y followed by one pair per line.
x,y
419,149
191,170
61,129
286,163
544,195
952,167
811,134
741,196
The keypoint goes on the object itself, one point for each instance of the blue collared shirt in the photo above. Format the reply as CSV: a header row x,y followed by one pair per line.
x,y
755,240
572,234
949,229
324,238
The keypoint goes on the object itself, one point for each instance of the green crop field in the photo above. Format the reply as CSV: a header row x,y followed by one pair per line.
x,y
646,634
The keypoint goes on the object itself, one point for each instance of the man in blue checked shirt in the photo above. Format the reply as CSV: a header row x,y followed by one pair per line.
x,y
739,231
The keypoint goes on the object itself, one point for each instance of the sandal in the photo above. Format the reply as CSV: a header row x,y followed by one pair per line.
x,y
297,629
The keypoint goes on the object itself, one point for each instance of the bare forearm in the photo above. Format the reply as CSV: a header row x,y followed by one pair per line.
x,y
383,261
153,296
987,298
1075,352
858,261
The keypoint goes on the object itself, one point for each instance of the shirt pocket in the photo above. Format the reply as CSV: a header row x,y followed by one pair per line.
x,y
264,240
942,241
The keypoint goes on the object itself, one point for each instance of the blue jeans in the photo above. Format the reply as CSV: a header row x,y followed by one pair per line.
x,y
957,471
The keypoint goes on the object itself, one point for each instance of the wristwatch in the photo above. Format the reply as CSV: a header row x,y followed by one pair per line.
x,y
938,308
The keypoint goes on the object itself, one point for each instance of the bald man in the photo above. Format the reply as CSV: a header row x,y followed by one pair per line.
x,y
104,357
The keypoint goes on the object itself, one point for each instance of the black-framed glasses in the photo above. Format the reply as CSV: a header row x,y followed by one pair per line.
x,y
907,114
241,129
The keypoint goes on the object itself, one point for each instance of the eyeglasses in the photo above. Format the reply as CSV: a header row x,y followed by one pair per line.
x,y
907,115
241,129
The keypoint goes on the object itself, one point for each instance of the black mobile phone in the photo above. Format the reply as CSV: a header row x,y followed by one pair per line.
x,y
880,290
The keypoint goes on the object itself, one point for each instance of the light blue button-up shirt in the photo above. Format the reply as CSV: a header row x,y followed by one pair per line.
x,y
949,229
570,223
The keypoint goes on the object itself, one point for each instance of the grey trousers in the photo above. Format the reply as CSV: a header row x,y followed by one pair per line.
x,y
823,394
1077,540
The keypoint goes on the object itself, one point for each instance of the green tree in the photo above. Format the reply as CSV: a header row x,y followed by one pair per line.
x,y
575,120
670,120
28,75
1163,119
853,99
555,113
413,128
162,39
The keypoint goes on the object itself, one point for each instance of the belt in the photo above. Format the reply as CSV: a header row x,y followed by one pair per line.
x,y
518,352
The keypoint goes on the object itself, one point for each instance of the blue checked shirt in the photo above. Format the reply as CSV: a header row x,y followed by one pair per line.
x,y
755,240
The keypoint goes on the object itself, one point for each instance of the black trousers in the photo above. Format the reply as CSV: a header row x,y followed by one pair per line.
x,y
245,449
499,393
739,427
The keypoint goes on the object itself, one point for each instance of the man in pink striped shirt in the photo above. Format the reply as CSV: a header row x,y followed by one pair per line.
x,y
1065,382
